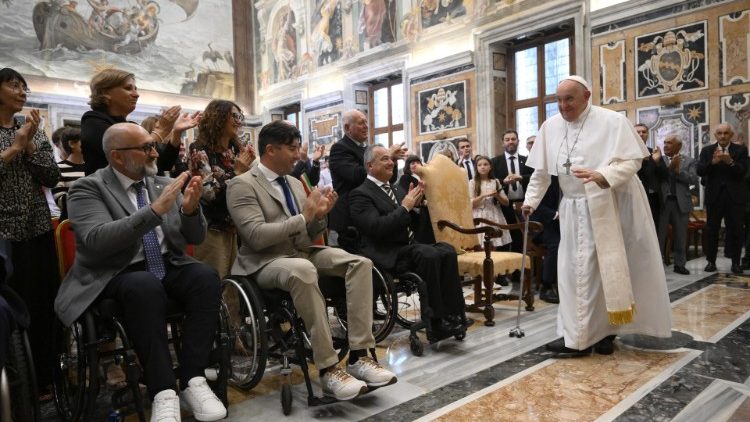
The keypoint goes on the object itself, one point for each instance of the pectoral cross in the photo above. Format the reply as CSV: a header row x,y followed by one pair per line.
x,y
567,165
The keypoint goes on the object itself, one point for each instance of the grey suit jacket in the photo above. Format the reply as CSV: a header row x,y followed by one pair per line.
x,y
686,177
109,232
267,230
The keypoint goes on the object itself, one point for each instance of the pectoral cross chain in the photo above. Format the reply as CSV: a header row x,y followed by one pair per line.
x,y
567,165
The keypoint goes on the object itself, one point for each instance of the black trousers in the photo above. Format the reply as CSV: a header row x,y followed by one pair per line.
x,y
732,214
550,238
438,266
654,202
36,280
143,298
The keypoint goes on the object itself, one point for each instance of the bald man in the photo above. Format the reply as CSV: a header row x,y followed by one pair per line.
x,y
132,228
608,260
722,168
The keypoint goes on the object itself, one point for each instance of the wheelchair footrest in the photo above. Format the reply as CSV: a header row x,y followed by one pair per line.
x,y
320,401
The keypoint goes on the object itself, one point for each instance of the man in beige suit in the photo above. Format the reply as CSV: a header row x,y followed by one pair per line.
x,y
277,225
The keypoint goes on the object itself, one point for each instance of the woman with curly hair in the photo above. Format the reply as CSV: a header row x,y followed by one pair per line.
x,y
217,155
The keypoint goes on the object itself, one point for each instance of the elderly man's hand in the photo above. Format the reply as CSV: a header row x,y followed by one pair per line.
x,y
192,196
168,196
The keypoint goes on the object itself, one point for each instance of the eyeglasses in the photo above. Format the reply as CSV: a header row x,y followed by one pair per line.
x,y
19,87
238,117
146,148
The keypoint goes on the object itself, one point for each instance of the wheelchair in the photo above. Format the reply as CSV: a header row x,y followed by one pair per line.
x,y
18,389
78,371
266,326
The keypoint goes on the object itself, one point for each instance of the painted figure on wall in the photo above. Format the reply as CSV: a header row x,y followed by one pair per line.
x,y
285,47
377,22
672,61
326,38
439,11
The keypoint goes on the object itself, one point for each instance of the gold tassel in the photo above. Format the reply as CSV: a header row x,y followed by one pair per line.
x,y
621,317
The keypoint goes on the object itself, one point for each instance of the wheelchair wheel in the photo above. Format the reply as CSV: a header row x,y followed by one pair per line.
x,y
286,399
21,379
384,310
406,302
76,382
416,345
247,331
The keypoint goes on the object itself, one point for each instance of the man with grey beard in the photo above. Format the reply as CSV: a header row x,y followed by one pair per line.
x,y
132,228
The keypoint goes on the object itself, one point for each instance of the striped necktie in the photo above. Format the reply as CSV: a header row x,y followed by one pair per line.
x,y
151,246
387,189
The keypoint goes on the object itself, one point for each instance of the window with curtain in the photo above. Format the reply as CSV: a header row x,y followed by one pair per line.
x,y
535,70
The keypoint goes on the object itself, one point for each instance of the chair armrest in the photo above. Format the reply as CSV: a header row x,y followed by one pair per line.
x,y
474,230
534,226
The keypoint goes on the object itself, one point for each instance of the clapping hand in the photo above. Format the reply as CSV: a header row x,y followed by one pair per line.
x,y
168,196
318,152
24,140
656,154
414,196
397,151
243,161
187,121
192,195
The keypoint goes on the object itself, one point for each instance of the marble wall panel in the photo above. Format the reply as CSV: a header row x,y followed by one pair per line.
x,y
612,66
735,110
735,47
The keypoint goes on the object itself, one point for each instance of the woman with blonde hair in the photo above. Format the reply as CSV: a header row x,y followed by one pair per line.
x,y
114,95
218,156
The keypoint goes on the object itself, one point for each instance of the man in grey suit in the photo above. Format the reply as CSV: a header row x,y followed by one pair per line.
x,y
278,226
132,228
676,173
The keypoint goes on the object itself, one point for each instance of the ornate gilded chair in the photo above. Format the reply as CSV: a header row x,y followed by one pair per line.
x,y
447,193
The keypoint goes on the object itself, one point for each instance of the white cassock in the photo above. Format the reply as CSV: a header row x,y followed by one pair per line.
x,y
609,144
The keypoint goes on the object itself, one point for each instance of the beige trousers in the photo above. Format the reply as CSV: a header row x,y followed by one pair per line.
x,y
218,251
299,277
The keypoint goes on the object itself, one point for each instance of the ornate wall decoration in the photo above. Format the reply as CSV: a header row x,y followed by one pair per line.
x,y
176,46
735,47
671,61
377,22
442,108
326,37
435,12
612,64
428,149
324,125
689,120
735,110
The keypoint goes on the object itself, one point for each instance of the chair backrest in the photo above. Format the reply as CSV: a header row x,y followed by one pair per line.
x,y
447,193
65,242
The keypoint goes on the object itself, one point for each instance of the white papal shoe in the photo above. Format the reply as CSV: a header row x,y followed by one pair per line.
x,y
199,399
165,407
337,383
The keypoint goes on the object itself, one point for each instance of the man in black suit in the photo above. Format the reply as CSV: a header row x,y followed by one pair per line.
x,y
647,174
547,214
383,214
308,166
466,160
722,167
348,171
510,169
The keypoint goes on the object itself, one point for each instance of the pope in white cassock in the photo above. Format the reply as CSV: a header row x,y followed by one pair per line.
x,y
610,276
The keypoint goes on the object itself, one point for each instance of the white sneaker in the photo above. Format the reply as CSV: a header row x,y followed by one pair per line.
x,y
372,373
337,383
165,407
204,404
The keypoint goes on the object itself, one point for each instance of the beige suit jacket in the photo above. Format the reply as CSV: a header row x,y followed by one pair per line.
x,y
266,228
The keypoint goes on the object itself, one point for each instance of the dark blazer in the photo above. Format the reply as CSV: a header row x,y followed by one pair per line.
x,y
346,162
312,170
683,179
93,125
382,224
550,204
715,177
501,171
461,163
647,174
109,232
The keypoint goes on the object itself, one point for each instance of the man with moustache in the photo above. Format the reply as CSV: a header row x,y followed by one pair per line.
x,y
511,170
722,167
647,174
132,228
278,225
676,173
596,153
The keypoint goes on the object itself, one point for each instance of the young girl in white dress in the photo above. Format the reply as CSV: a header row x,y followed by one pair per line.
x,y
486,197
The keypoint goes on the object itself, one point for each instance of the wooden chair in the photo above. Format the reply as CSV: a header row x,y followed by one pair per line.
x,y
65,243
447,190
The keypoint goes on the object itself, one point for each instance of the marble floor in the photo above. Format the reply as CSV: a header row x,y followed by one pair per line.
x,y
702,373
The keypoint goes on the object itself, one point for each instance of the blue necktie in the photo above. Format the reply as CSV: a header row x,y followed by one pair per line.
x,y
151,246
287,195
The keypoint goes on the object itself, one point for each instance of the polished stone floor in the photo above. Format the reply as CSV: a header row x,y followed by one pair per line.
x,y
702,373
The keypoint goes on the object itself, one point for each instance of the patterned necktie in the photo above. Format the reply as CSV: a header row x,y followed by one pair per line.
x,y
387,189
151,246
512,159
467,164
287,195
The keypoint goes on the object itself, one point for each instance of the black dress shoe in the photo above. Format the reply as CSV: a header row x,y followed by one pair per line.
x,y
681,270
447,328
549,296
710,267
737,269
605,346
502,280
458,320
558,347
